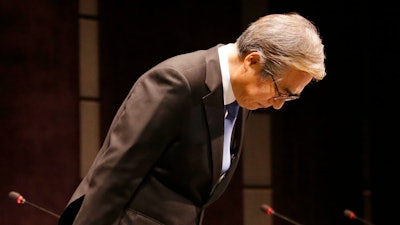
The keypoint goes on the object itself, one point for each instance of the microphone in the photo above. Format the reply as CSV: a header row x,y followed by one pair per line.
x,y
21,200
266,209
351,215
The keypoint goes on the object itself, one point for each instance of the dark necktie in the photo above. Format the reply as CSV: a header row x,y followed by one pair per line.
x,y
232,110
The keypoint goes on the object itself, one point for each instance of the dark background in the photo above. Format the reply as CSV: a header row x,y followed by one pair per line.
x,y
333,149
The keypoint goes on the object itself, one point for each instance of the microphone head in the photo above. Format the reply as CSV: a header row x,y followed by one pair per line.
x,y
350,214
265,208
17,196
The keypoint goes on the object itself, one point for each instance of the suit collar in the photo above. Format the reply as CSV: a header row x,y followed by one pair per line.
x,y
215,111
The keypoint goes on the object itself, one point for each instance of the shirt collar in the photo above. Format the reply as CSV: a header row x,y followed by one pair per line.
x,y
223,53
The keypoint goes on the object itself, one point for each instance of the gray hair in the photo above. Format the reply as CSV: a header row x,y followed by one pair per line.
x,y
285,41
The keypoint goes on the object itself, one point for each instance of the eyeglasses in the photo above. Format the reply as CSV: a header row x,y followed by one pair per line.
x,y
280,96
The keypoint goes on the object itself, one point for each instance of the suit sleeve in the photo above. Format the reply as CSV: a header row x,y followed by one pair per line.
x,y
147,121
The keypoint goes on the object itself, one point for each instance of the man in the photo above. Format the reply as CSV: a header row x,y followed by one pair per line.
x,y
163,160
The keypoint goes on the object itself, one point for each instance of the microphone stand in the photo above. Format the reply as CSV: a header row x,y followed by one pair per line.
x,y
21,200
266,209
351,215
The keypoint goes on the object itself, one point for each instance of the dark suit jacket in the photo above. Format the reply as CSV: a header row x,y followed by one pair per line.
x,y
161,160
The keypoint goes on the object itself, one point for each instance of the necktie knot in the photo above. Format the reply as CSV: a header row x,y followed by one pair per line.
x,y
232,109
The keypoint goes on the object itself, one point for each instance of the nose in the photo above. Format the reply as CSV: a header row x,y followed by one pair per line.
x,y
277,104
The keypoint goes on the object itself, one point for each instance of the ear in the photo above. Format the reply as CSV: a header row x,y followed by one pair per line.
x,y
252,60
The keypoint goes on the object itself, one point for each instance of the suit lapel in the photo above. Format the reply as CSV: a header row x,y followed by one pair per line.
x,y
215,111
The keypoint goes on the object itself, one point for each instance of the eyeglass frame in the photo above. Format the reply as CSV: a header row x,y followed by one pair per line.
x,y
281,96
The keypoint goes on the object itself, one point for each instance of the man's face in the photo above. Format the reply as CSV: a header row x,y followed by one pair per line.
x,y
253,91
